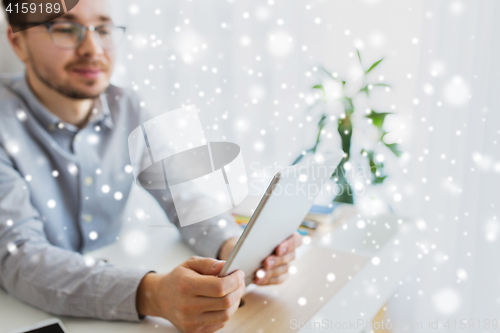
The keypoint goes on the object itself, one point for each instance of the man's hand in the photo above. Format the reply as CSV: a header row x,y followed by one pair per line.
x,y
192,297
275,266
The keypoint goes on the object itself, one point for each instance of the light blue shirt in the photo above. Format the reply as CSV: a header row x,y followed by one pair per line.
x,y
62,192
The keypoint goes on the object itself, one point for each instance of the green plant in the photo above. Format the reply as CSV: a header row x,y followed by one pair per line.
x,y
345,129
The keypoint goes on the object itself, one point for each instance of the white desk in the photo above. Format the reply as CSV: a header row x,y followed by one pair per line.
x,y
161,248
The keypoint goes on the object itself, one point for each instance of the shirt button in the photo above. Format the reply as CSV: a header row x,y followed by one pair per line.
x,y
88,218
88,181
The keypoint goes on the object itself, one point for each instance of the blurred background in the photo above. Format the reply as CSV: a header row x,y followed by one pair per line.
x,y
251,66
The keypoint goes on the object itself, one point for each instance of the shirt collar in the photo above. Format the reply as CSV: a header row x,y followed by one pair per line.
x,y
100,110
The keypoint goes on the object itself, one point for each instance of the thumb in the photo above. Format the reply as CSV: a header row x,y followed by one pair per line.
x,y
205,266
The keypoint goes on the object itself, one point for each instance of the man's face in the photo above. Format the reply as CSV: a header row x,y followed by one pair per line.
x,y
79,73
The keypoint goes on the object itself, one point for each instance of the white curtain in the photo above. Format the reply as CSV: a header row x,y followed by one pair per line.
x,y
454,171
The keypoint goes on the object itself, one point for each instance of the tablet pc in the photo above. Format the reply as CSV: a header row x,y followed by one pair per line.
x,y
281,210
47,326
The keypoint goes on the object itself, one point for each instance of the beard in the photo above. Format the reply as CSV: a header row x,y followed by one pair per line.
x,y
66,89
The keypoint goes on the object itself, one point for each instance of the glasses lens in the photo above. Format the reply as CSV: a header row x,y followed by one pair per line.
x,y
66,34
110,36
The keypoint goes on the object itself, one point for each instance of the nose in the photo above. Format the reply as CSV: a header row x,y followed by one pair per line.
x,y
90,45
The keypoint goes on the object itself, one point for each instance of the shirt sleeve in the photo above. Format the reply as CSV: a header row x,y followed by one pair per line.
x,y
51,278
205,237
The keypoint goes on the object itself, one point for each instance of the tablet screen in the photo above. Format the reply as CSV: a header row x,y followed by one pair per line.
x,y
53,328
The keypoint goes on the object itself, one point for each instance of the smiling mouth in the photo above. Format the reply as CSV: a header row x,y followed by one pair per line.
x,y
89,73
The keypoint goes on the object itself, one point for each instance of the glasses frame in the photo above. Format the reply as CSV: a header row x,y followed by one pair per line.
x,y
84,29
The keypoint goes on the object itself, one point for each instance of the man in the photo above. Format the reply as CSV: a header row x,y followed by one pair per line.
x,y
64,179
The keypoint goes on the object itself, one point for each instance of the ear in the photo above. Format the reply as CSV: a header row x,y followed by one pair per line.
x,y
17,41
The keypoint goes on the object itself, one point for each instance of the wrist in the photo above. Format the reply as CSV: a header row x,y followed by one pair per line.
x,y
145,298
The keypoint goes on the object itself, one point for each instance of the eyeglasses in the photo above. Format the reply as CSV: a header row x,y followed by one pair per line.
x,y
70,35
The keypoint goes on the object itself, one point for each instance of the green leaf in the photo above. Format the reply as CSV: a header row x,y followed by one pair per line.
x,y
348,105
329,74
345,131
346,194
374,65
359,56
321,124
379,180
320,87
301,156
376,169
394,148
322,121
297,160
365,90
377,118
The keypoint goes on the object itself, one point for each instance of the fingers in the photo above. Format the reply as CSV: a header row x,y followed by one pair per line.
x,y
211,328
212,286
275,267
275,261
289,245
278,279
298,239
204,266
217,317
195,300
221,303
272,274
